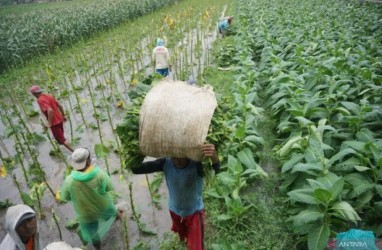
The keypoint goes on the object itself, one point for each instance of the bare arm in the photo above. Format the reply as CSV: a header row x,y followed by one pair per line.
x,y
62,111
50,116
149,167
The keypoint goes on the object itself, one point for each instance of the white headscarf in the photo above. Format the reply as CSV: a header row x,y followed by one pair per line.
x,y
12,240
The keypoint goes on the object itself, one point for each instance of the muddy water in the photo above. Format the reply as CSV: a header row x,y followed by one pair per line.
x,y
156,219
54,168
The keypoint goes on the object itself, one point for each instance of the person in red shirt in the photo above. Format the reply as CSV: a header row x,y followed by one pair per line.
x,y
54,114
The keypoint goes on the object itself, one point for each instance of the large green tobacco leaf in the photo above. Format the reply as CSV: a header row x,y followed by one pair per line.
x,y
357,179
291,162
255,140
345,211
303,121
308,167
322,195
356,145
329,190
294,142
340,155
312,154
360,189
337,188
378,188
315,184
306,216
303,196
318,237
240,132
353,107
328,180
246,157
363,200
234,165
282,78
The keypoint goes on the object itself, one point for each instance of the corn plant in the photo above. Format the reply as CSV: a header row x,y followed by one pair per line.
x,y
65,26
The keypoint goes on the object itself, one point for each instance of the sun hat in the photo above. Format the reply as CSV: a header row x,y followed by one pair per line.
x,y
79,157
25,217
35,89
160,42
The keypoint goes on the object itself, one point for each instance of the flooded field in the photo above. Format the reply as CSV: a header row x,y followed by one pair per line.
x,y
94,100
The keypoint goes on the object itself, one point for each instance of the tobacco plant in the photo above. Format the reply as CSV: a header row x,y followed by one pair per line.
x,y
318,78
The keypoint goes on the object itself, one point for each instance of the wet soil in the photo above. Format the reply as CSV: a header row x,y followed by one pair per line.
x,y
155,219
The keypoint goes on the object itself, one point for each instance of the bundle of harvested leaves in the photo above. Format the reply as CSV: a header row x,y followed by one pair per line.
x,y
128,129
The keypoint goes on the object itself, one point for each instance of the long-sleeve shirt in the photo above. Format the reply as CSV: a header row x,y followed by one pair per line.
x,y
184,184
161,57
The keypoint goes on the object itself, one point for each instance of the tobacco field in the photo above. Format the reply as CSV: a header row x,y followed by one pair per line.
x,y
298,126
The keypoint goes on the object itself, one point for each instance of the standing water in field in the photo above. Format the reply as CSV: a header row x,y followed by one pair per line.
x,y
87,98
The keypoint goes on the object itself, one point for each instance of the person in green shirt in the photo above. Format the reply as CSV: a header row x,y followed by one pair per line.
x,y
88,188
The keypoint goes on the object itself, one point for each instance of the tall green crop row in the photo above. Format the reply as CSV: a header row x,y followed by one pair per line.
x,y
24,36
316,66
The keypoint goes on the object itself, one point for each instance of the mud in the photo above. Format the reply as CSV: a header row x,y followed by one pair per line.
x,y
193,57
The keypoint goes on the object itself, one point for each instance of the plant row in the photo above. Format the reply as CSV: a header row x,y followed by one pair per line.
x,y
25,36
316,70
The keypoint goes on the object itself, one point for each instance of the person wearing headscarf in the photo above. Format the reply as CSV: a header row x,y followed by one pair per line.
x,y
22,230
161,58
88,188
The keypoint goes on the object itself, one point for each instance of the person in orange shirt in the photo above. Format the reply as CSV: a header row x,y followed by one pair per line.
x,y
22,230
54,114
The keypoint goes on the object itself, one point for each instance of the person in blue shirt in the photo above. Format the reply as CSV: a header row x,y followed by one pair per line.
x,y
184,179
224,24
